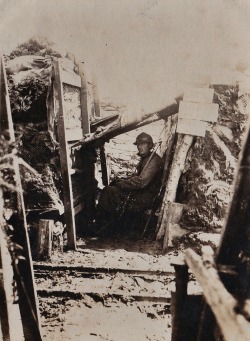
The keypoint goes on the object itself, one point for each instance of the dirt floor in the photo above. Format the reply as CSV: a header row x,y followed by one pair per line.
x,y
110,289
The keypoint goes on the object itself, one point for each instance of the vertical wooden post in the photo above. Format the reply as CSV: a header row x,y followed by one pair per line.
x,y
183,145
96,96
84,99
180,295
44,241
11,324
65,161
23,270
104,166
174,210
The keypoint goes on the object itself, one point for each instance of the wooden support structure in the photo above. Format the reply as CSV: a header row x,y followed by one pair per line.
x,y
183,145
105,179
65,159
68,135
178,298
44,241
22,269
233,326
235,238
84,99
174,212
96,96
225,278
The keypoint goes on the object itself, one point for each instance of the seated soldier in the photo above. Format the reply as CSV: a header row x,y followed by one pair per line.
x,y
136,193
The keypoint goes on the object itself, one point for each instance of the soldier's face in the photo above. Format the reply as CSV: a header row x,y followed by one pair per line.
x,y
143,148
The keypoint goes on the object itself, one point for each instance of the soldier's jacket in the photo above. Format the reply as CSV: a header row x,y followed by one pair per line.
x,y
148,175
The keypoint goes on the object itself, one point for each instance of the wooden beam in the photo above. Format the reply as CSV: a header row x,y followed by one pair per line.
x,y
78,208
183,145
22,269
233,326
191,127
199,111
96,96
105,179
84,99
65,160
44,241
178,299
235,236
78,294
11,324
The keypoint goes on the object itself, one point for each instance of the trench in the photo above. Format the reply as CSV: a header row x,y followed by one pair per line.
x,y
108,289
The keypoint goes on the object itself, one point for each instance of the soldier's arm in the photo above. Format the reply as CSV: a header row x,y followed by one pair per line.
x,y
144,179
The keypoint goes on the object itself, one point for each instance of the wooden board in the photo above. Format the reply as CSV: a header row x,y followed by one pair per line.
x,y
84,99
199,95
22,269
191,127
199,111
44,242
65,161
10,319
233,325
78,208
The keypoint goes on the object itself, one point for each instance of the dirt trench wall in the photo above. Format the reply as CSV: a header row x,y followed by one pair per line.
x,y
206,184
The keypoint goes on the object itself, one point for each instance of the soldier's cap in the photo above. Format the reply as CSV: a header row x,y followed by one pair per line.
x,y
143,138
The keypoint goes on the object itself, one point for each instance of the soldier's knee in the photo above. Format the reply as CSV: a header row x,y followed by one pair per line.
x,y
110,190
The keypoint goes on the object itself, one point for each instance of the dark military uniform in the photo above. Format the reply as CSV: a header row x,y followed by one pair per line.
x,y
135,194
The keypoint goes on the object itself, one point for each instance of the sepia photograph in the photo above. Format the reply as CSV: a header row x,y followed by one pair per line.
x,y
125,170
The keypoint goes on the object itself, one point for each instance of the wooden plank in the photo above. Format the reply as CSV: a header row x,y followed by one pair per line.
x,y
199,111
77,294
191,127
78,208
22,269
198,95
105,179
44,240
10,317
183,144
65,161
96,96
70,78
233,326
235,236
168,270
84,99
173,216
178,299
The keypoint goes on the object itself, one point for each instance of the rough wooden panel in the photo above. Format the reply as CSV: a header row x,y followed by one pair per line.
x,y
174,215
22,269
191,127
182,147
11,325
44,242
65,161
84,100
199,111
233,326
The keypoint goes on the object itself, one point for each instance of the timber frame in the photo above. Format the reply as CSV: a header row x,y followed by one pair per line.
x,y
222,310
20,267
66,137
